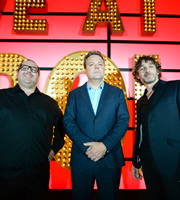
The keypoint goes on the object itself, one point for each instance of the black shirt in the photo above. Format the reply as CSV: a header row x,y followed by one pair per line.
x,y
145,152
26,131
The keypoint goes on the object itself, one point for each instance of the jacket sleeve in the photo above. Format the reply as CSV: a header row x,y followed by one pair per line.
x,y
173,138
58,140
178,101
70,124
121,125
136,160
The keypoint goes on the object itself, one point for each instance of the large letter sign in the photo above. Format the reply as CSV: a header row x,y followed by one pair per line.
x,y
96,15
24,24
149,16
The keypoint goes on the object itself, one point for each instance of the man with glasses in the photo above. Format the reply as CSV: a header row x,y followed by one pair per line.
x,y
28,121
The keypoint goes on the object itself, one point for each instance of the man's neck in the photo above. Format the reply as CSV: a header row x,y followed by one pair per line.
x,y
27,91
150,86
95,84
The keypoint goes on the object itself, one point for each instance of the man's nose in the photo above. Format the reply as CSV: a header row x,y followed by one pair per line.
x,y
29,69
147,69
96,66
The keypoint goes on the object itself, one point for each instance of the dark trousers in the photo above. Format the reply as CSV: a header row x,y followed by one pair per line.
x,y
34,189
161,187
107,180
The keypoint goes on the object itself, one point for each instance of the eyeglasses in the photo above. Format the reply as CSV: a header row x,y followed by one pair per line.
x,y
26,67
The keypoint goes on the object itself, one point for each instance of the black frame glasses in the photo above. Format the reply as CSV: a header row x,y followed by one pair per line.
x,y
32,68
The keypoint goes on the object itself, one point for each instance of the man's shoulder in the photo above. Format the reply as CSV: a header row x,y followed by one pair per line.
x,y
113,88
78,89
49,102
47,97
173,82
172,85
6,90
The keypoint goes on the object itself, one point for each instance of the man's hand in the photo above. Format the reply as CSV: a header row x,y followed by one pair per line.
x,y
51,155
96,150
136,174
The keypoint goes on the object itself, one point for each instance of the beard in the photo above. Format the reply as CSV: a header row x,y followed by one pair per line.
x,y
149,80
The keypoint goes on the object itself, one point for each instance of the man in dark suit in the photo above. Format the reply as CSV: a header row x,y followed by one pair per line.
x,y
96,118
157,142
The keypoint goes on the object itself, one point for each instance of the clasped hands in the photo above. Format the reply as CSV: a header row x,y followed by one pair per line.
x,y
96,150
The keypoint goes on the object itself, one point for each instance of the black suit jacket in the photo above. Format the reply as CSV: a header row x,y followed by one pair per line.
x,y
108,125
164,129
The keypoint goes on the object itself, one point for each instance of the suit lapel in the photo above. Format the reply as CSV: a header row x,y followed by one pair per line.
x,y
85,96
159,91
102,98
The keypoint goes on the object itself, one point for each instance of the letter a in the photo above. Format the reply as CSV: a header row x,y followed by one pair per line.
x,y
110,16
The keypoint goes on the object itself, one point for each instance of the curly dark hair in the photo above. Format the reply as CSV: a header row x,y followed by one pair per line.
x,y
138,64
90,53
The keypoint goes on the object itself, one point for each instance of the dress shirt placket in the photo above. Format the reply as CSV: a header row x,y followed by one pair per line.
x,y
95,101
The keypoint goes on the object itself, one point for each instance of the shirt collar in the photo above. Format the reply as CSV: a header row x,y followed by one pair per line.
x,y
156,86
153,88
101,86
18,89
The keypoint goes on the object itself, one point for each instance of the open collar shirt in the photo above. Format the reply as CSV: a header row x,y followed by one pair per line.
x,y
27,126
95,95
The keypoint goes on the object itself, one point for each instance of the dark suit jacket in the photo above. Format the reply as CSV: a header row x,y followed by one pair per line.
x,y
108,125
164,129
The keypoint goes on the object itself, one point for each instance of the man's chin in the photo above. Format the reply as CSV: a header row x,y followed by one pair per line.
x,y
28,84
150,81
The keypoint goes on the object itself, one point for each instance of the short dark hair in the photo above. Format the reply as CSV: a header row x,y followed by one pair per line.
x,y
98,53
138,64
20,66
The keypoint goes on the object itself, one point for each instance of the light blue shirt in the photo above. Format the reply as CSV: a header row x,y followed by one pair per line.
x,y
95,95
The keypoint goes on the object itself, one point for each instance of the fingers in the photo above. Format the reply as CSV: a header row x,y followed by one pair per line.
x,y
88,143
96,150
94,158
135,173
51,155
140,176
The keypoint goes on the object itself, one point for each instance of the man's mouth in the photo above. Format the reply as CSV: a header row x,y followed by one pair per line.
x,y
28,75
146,75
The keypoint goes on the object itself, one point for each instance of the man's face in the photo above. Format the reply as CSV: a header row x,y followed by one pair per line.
x,y
148,73
26,77
94,68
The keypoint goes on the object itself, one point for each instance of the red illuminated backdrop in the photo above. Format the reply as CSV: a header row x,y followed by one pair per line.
x,y
65,22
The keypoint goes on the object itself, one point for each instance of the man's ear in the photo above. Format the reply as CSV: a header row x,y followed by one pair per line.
x,y
137,76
